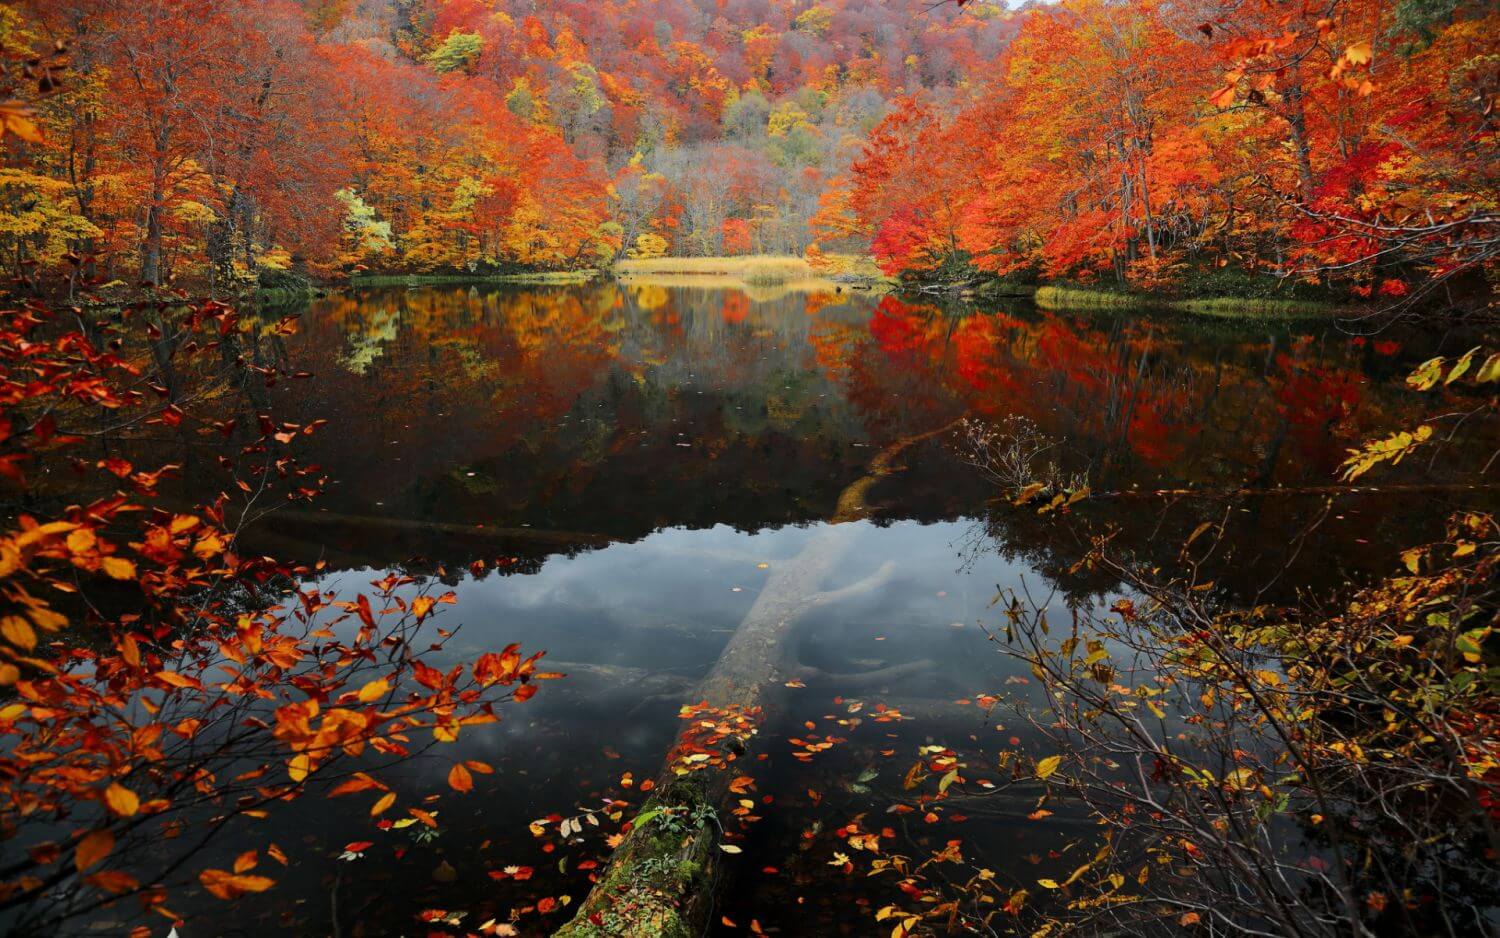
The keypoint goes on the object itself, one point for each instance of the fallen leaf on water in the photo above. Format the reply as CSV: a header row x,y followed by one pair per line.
x,y
459,779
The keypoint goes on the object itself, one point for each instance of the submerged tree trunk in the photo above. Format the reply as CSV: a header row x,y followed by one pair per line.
x,y
661,882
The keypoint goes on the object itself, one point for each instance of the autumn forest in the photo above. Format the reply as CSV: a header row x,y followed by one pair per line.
x,y
645,468
1134,144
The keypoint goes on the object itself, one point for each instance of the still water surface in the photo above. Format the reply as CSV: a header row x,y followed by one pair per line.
x,y
632,464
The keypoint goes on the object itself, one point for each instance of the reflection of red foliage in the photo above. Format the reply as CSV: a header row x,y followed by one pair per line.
x,y
1315,400
736,307
1046,371
897,328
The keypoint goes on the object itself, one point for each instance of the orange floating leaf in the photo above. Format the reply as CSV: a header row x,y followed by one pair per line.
x,y
459,779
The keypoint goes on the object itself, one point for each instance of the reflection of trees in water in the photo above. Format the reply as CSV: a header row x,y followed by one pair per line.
x,y
553,392
1136,406
618,409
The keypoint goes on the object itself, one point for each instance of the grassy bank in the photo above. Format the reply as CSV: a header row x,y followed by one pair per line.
x,y
434,280
755,270
761,277
1054,297
278,297
852,268
1227,307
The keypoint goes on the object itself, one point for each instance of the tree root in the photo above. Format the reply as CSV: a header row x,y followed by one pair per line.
x,y
868,585
862,682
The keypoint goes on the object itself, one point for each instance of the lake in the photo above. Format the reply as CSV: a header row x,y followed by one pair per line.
x,y
613,474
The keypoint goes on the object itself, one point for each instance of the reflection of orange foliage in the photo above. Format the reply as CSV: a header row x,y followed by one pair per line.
x,y
736,306
833,344
817,301
1132,384
898,328
497,366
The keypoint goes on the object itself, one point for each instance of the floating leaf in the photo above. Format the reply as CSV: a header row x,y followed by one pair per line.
x,y
459,779
115,881
228,885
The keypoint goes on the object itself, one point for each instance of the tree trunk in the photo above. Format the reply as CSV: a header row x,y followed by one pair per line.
x,y
1296,119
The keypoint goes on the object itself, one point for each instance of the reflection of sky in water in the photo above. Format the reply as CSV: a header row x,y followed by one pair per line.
x,y
670,601
660,610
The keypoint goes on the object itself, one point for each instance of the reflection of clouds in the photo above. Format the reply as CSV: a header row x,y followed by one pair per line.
x,y
668,603
629,602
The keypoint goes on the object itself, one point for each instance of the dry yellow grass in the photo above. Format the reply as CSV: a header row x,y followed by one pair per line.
x,y
756,269
761,277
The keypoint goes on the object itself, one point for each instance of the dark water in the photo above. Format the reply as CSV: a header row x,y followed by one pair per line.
x,y
633,464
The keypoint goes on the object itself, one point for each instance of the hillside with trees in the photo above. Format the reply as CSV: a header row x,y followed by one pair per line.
x,y
1138,144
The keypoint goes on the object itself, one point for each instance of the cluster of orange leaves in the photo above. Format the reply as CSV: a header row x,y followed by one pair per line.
x,y
225,690
712,736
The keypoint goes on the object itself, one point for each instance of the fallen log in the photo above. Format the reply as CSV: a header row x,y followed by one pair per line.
x,y
662,878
